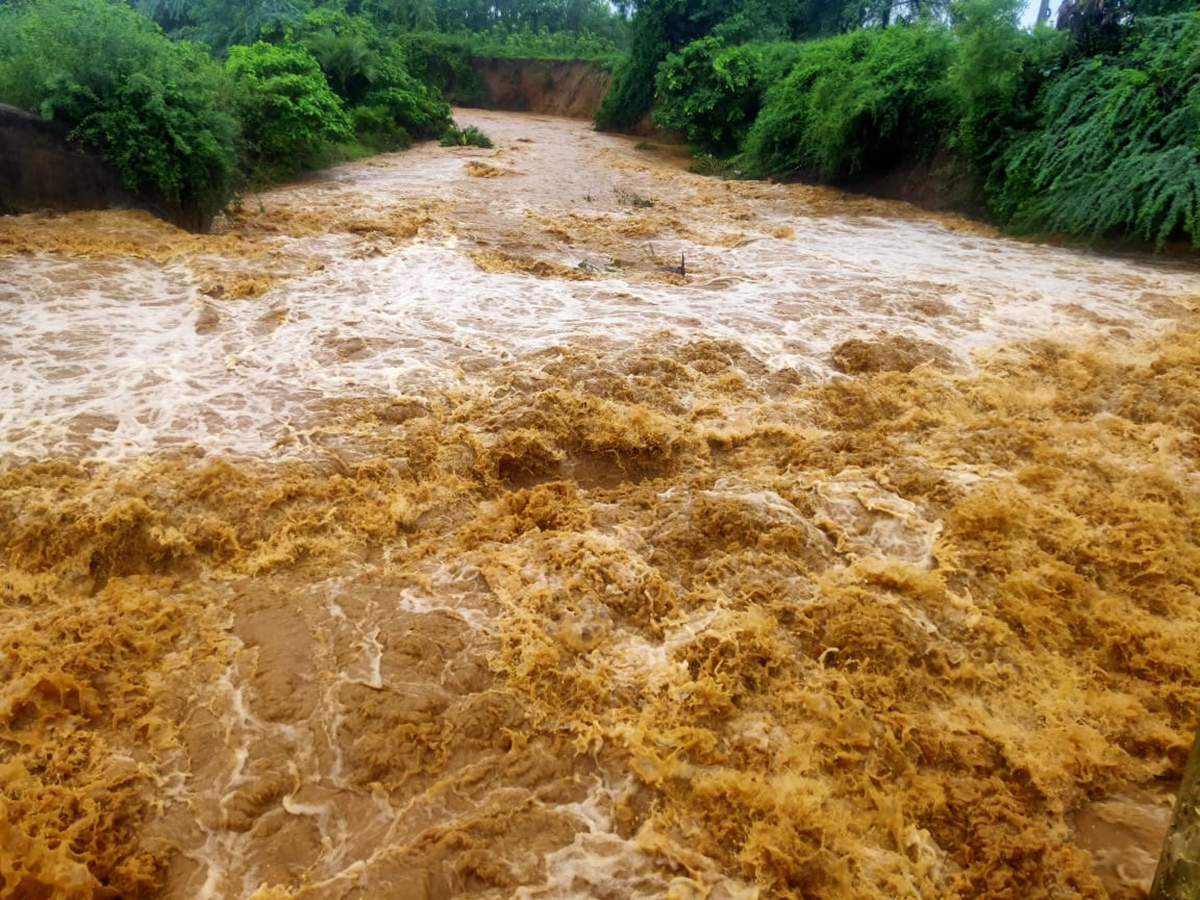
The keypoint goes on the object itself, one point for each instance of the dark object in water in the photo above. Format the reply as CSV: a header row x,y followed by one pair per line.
x,y
680,269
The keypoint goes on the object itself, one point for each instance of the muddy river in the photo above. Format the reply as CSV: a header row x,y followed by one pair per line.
x,y
426,532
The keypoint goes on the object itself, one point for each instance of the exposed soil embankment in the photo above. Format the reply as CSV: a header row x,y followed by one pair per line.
x,y
40,169
939,184
551,87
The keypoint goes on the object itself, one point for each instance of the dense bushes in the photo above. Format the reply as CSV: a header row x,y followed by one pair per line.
x,y
662,27
995,81
444,62
222,23
562,17
555,29
148,105
289,112
332,87
1052,138
659,28
856,102
713,93
1117,147
184,130
367,70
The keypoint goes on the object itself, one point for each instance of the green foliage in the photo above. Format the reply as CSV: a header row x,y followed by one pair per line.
x,y
662,27
222,23
350,52
630,93
659,27
149,106
1118,147
1146,8
443,61
401,15
1094,25
713,92
995,79
856,102
713,167
525,43
288,111
412,109
364,68
578,17
470,136
376,127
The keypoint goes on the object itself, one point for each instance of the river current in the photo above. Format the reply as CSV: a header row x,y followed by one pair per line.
x,y
427,532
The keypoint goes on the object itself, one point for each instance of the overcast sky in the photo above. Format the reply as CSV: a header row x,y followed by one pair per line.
x,y
1030,14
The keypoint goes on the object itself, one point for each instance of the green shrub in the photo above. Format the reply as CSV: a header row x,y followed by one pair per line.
x,y
854,103
658,28
289,113
350,52
996,78
526,43
713,92
364,68
470,136
443,61
630,93
662,27
376,127
413,109
1117,150
149,106
222,23
713,167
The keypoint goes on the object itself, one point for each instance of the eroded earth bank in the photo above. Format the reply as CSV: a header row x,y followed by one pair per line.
x,y
421,534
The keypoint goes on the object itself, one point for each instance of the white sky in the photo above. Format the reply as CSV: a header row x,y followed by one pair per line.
x,y
1031,8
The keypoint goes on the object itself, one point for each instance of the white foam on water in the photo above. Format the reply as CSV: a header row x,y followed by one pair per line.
x,y
111,357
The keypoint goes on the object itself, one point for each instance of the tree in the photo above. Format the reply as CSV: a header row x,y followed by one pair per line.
x,y
222,23
1178,874
149,106
1116,149
402,15
287,107
659,28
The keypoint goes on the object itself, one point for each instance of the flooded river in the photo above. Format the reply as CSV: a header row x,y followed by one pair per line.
x,y
426,533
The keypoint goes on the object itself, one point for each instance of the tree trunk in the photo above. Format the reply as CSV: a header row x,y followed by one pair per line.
x,y
1178,875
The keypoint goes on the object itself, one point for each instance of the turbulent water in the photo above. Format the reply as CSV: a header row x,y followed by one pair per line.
x,y
426,533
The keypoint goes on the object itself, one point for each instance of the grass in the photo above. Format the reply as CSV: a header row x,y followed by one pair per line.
x,y
626,197
470,136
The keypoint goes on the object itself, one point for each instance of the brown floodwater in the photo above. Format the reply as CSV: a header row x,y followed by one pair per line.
x,y
422,533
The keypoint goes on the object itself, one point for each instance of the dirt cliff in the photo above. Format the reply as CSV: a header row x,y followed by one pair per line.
x,y
550,87
40,169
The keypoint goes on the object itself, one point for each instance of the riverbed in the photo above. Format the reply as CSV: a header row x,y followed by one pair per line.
x,y
550,522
